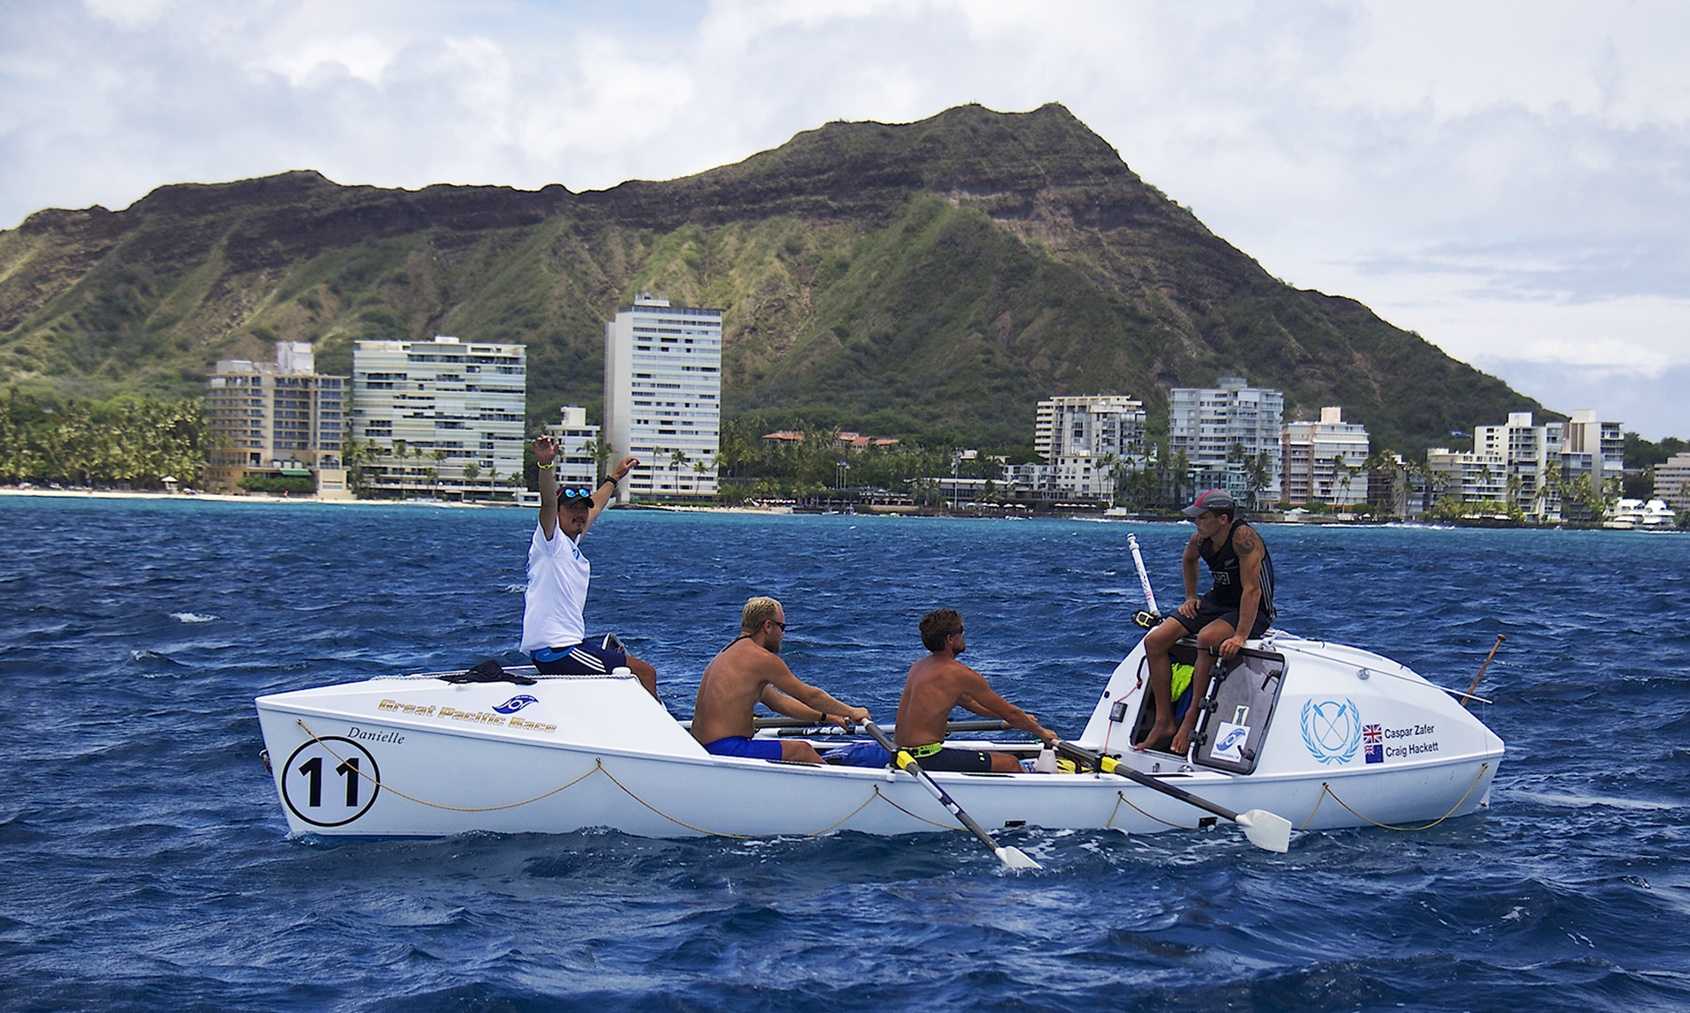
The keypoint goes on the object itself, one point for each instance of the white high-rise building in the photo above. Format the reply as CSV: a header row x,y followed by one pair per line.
x,y
1228,432
1592,451
577,441
1527,465
1087,439
440,417
663,396
1325,461
1527,451
1466,475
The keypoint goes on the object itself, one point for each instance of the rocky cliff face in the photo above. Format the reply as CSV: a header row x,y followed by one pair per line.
x,y
936,278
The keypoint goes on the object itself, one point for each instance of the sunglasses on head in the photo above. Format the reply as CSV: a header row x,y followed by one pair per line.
x,y
575,492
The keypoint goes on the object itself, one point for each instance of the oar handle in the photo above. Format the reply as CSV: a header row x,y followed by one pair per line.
x,y
1110,765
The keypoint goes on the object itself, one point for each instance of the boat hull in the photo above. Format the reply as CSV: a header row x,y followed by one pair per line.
x,y
391,758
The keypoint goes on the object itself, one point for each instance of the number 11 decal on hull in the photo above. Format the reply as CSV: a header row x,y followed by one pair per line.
x,y
351,776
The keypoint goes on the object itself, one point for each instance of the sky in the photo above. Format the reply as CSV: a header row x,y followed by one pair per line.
x,y
1511,181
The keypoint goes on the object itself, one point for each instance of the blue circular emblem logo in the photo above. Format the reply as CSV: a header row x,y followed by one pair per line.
x,y
1331,729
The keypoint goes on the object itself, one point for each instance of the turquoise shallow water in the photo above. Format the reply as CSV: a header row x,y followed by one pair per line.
x,y
145,860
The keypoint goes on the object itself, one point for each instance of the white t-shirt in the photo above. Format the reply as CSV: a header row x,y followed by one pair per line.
x,y
556,599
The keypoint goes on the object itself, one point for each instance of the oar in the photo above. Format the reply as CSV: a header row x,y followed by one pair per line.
x,y
981,725
1012,858
1468,696
1265,830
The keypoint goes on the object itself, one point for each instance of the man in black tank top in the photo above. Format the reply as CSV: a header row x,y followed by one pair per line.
x,y
1240,599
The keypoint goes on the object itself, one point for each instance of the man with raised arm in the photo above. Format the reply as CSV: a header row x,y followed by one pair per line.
x,y
554,626
748,670
939,682
1240,599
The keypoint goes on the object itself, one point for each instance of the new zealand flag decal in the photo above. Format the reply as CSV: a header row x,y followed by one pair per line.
x,y
1373,743
516,703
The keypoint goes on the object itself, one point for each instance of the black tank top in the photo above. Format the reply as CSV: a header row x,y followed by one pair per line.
x,y
1228,589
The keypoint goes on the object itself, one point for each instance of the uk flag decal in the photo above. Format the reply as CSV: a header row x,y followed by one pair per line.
x,y
1373,743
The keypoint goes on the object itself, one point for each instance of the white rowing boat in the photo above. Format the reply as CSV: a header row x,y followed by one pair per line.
x,y
1325,735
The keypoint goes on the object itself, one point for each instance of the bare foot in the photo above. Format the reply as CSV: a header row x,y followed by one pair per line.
x,y
1182,741
1156,738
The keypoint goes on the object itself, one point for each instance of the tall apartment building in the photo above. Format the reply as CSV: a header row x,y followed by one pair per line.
x,y
1672,481
1591,450
1325,461
1468,476
1527,451
439,417
1228,431
281,420
1085,439
577,441
663,396
1527,465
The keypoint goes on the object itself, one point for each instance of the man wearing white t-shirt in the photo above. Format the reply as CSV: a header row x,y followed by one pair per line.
x,y
554,628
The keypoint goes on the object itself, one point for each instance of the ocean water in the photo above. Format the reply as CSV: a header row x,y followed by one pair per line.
x,y
145,863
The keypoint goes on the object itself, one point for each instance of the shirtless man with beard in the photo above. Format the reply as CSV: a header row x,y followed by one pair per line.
x,y
750,670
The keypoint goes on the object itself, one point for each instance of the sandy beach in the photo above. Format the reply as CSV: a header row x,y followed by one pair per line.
x,y
255,498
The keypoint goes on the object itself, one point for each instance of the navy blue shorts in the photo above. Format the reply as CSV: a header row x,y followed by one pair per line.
x,y
739,745
951,759
1208,611
594,656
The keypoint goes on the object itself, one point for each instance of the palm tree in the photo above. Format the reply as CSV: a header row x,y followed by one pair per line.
x,y
698,470
1110,464
400,451
1256,476
599,450
677,461
1548,486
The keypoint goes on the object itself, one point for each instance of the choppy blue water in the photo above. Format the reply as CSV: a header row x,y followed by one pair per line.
x,y
145,861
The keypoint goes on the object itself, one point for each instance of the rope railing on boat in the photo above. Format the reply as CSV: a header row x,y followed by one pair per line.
x,y
875,792
1326,789
598,767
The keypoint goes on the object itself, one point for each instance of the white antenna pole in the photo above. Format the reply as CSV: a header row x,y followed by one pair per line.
x,y
1143,578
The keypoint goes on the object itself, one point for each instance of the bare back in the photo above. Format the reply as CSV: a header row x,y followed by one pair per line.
x,y
731,686
934,685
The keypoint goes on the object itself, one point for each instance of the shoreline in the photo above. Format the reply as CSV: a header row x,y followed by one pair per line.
x,y
273,500
220,497
783,511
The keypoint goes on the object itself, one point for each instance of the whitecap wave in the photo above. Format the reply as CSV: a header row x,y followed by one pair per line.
x,y
193,617
515,588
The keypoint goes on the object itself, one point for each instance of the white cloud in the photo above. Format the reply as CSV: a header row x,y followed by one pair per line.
x,y
1473,172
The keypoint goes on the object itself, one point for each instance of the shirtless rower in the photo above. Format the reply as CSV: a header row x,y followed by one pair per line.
x,y
749,670
939,682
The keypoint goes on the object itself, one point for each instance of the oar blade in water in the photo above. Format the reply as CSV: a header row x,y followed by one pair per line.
x,y
1015,858
1268,831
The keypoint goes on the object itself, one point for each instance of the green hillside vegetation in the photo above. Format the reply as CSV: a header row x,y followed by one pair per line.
x,y
930,281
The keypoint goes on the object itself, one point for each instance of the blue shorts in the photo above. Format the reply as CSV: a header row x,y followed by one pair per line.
x,y
739,745
858,754
595,656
